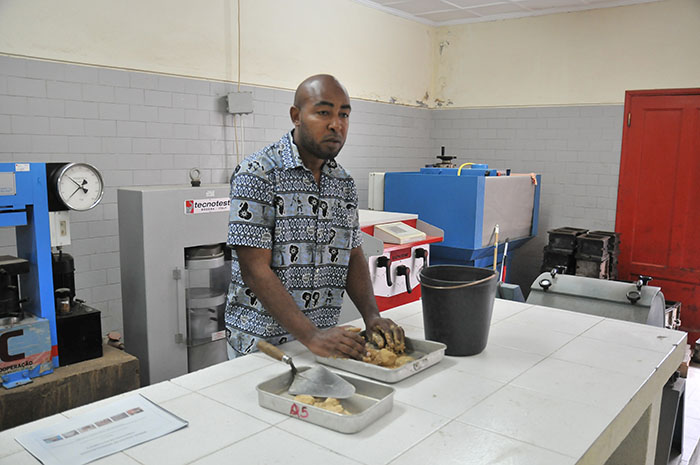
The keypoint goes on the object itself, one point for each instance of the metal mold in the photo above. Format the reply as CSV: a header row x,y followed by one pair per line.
x,y
426,354
370,402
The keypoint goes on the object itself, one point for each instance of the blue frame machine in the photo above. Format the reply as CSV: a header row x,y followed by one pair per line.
x,y
24,206
454,200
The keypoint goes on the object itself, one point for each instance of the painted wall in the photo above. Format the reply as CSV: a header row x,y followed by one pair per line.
x,y
379,56
148,129
587,57
575,148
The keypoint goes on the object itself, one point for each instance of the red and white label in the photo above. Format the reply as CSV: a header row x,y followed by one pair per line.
x,y
194,207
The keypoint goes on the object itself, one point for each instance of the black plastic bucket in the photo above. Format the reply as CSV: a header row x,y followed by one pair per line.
x,y
457,306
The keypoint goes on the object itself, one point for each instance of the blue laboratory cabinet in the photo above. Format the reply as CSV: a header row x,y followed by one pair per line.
x,y
467,207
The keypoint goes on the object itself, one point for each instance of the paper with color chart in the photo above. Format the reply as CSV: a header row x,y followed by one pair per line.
x,y
113,428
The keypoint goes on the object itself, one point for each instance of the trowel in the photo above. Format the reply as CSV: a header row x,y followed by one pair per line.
x,y
317,381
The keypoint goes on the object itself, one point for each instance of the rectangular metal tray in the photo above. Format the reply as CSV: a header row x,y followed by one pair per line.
x,y
370,402
426,354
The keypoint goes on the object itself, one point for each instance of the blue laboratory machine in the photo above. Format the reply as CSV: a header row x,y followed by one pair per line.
x,y
40,319
28,341
467,203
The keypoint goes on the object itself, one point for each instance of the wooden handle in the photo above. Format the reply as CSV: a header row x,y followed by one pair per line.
x,y
269,349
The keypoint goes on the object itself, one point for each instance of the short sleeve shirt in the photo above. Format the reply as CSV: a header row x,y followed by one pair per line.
x,y
310,228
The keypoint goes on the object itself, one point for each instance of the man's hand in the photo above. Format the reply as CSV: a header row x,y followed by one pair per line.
x,y
340,341
383,332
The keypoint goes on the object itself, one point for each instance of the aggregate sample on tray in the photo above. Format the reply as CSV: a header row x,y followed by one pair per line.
x,y
386,350
331,403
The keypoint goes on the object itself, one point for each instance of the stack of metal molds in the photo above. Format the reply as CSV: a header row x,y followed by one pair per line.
x,y
597,254
592,256
613,251
561,250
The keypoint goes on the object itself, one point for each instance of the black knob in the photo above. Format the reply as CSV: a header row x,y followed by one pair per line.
x,y
634,295
559,269
384,262
421,253
643,280
444,158
545,283
403,270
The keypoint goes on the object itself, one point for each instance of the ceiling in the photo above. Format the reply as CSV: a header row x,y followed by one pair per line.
x,y
446,12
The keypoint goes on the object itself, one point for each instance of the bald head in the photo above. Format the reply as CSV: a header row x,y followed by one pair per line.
x,y
315,86
320,115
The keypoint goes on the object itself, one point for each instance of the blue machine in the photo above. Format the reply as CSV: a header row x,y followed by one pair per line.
x,y
467,204
24,206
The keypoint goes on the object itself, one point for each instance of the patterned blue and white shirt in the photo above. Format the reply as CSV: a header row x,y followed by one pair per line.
x,y
276,204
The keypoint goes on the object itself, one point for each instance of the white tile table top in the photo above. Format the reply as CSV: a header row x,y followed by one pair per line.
x,y
543,392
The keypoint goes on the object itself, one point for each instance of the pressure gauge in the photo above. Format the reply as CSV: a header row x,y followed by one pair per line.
x,y
78,186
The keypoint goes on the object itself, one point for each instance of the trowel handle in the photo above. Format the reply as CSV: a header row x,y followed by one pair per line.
x,y
272,351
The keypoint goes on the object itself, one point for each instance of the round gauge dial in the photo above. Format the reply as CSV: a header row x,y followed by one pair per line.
x,y
79,186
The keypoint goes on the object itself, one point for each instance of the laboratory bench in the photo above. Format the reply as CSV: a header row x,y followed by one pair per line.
x,y
70,386
552,387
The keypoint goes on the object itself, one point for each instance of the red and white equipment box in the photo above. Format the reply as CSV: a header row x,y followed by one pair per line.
x,y
395,270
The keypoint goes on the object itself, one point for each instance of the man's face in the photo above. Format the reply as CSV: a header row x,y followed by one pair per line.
x,y
321,123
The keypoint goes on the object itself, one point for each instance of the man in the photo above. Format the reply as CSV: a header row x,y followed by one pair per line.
x,y
295,233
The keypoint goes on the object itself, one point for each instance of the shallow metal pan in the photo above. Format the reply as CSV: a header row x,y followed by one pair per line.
x,y
370,402
426,354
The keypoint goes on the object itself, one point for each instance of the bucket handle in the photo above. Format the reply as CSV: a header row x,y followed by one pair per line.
x,y
458,286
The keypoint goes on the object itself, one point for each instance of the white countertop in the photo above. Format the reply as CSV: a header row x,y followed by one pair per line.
x,y
551,388
372,217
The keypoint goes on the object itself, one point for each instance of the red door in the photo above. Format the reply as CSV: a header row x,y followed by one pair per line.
x,y
658,199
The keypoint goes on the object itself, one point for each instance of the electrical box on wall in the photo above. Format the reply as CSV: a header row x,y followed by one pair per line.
x,y
239,103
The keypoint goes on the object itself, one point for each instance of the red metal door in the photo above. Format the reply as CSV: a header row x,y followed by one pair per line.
x,y
658,199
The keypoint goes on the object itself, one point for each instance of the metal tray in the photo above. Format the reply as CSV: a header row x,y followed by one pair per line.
x,y
370,402
426,354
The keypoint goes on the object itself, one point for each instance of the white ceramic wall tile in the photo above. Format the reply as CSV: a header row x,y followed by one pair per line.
x,y
503,309
380,442
557,320
691,435
561,425
280,448
640,335
462,444
8,445
544,341
404,311
593,386
116,459
157,393
414,332
240,393
220,372
213,425
692,400
497,362
448,392
610,356
413,320
20,458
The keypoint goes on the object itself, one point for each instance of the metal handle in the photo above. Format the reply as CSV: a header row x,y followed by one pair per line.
x,y
643,281
180,310
274,352
384,262
421,253
459,286
403,270
559,269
